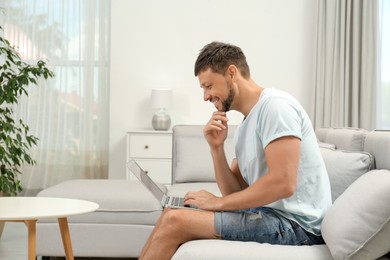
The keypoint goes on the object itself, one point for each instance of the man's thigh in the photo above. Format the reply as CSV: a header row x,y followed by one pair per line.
x,y
264,226
197,224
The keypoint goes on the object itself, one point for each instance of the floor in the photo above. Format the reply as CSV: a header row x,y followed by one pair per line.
x,y
13,244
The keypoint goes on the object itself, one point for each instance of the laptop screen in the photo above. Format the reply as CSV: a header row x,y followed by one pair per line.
x,y
145,179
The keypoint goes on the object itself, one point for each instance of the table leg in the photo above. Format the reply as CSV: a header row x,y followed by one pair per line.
x,y
32,240
64,228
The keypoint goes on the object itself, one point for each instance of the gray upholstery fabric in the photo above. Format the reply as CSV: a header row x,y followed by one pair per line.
x,y
94,240
120,201
111,195
378,144
351,139
357,226
119,228
235,250
345,167
322,132
326,145
192,160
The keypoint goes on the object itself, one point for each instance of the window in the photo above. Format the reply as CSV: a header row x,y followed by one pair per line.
x,y
384,84
69,113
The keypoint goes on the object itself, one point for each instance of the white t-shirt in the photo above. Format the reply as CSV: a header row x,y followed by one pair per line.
x,y
275,115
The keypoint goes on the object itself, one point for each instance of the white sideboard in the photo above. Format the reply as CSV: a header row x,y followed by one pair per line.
x,y
152,150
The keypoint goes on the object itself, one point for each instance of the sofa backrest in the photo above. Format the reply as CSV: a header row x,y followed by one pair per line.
x,y
348,138
192,160
377,143
355,153
365,201
346,163
344,157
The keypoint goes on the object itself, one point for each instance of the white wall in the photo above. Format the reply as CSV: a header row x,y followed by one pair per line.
x,y
154,43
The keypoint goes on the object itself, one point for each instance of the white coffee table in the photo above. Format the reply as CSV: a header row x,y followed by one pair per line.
x,y
30,209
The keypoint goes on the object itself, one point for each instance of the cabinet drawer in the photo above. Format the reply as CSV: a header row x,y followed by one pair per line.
x,y
150,146
159,170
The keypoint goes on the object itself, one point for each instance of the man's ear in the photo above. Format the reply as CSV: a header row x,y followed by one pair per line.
x,y
232,71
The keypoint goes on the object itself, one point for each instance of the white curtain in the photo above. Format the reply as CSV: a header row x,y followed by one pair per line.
x,y
69,113
346,64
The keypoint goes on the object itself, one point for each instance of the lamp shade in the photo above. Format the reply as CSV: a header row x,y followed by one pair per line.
x,y
161,97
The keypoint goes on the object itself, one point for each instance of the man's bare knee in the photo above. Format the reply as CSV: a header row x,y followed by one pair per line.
x,y
174,218
173,226
183,225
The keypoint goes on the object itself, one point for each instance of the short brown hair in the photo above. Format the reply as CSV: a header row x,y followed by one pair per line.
x,y
219,56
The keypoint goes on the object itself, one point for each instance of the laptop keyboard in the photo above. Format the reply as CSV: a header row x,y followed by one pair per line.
x,y
177,201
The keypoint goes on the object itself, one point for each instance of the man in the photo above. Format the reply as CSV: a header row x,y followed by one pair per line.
x,y
277,189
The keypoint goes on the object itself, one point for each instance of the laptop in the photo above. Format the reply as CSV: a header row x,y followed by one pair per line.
x,y
166,201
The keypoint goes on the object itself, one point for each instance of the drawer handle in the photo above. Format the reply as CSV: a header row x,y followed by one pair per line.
x,y
146,147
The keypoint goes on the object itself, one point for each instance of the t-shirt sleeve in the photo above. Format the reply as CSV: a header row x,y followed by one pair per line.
x,y
278,117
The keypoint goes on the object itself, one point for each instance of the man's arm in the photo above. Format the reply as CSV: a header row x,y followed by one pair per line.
x,y
236,171
229,180
282,157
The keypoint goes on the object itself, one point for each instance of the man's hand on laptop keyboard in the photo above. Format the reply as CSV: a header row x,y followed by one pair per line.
x,y
203,200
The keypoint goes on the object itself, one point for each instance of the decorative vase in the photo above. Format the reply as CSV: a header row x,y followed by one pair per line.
x,y
161,121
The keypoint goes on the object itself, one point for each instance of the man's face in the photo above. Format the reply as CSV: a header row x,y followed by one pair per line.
x,y
217,89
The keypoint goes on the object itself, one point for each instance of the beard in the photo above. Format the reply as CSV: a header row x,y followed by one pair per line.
x,y
227,103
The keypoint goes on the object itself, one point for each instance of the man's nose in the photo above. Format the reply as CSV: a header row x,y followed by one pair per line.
x,y
206,96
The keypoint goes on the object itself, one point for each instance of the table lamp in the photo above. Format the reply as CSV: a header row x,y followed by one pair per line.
x,y
161,98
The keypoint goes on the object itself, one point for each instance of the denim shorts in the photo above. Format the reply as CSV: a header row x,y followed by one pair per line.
x,y
262,225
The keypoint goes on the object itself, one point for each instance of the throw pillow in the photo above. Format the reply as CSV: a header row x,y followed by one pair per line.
x,y
326,145
357,226
344,167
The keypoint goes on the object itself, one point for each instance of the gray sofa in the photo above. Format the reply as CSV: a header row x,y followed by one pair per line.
x,y
356,226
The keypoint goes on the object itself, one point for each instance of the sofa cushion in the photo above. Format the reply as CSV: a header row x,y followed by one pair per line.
x,y
120,201
357,226
378,144
346,138
326,145
237,250
345,167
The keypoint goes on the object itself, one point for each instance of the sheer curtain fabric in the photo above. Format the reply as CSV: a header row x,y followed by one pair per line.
x,y
69,113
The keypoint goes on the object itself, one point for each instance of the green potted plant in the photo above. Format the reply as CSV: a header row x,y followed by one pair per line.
x,y
16,76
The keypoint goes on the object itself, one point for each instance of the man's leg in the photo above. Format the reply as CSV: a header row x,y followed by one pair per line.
x,y
263,225
177,226
147,244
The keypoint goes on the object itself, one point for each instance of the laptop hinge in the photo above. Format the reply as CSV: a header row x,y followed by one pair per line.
x,y
164,201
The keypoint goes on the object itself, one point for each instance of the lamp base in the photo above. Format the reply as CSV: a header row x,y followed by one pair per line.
x,y
161,121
